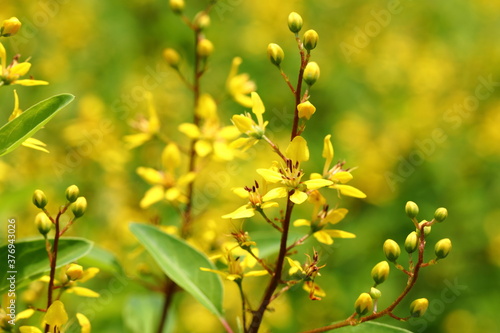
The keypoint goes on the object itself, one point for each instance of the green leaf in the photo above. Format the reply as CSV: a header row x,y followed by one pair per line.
x,y
372,327
31,259
141,314
30,121
181,263
102,259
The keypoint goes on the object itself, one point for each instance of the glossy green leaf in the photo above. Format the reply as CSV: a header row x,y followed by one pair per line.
x,y
181,263
31,259
372,327
15,132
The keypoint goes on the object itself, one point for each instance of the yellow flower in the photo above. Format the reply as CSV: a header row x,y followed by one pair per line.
x,y
239,85
308,274
165,184
55,317
289,176
84,323
10,27
10,74
30,142
306,110
255,203
325,236
148,128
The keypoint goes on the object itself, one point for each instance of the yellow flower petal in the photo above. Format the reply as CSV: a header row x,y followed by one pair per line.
x,y
298,197
306,110
172,194
186,179
25,314
20,69
294,266
29,329
269,205
56,315
229,132
256,273
84,323
349,191
81,291
339,233
241,213
323,237
207,108
275,193
135,140
203,148
240,191
150,175
222,151
243,143
314,184
152,196
270,176
301,223
35,144
154,121
171,156
316,290
29,82
89,273
297,150
190,130
244,124
328,152
342,176
335,216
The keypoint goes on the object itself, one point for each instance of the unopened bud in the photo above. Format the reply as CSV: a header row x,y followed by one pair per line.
x,y
391,250
363,304
442,248
306,110
418,307
39,199
177,6
10,27
310,39
380,272
294,22
311,73
202,20
72,193
79,207
411,242
205,48
375,293
427,229
411,209
275,54
171,57
441,214
74,271
43,223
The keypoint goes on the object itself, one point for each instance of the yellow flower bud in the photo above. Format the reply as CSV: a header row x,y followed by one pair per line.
x,y
43,223
205,48
363,304
411,242
442,248
275,54
418,307
310,39
311,73
294,22
39,199
441,214
411,209
177,6
202,20
72,193
171,57
79,207
74,271
10,27
306,110
391,250
375,293
380,272
427,229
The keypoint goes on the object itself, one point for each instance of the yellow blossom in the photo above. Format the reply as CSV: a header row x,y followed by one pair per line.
x,y
255,203
55,316
148,128
308,274
325,236
306,110
10,74
246,125
240,85
10,27
84,323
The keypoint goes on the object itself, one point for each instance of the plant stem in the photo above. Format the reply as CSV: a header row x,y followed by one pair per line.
x,y
169,292
304,59
276,278
53,263
243,306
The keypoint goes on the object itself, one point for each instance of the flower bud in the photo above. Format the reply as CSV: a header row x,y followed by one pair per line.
x,y
74,271
411,209
363,304
418,307
411,242
275,54
10,27
202,20
440,214
391,250
427,229
375,293
205,48
43,223
311,73
171,57
310,39
79,207
294,22
177,6
39,199
380,272
442,248
306,110
72,193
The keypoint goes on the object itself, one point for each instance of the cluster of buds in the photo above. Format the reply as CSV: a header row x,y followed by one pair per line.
x,y
44,221
416,240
